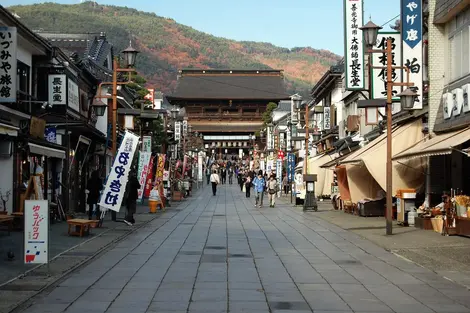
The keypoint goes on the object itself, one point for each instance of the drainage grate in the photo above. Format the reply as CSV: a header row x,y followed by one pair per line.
x,y
215,248
218,215
238,255
190,252
339,262
291,305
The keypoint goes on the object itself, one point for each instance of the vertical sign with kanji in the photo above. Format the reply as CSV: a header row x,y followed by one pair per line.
x,y
177,131
115,187
36,231
353,45
379,75
8,45
326,118
412,45
290,166
57,89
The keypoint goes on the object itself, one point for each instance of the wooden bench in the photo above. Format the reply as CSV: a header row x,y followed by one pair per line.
x,y
81,227
7,220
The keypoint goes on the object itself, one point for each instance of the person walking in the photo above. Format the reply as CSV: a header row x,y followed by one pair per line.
x,y
273,188
230,175
241,181
94,186
133,185
285,185
259,183
208,175
214,181
248,186
223,174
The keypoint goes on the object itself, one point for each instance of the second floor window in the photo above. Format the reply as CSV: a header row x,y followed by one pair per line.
x,y
22,78
459,44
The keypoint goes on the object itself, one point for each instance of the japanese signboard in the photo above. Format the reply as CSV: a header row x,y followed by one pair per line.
x,y
279,173
8,45
379,75
412,44
290,166
57,89
326,118
185,127
50,134
148,184
455,102
269,166
142,171
73,95
353,46
147,144
36,231
199,166
177,131
160,169
117,179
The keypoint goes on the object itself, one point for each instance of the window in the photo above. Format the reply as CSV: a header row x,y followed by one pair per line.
x,y
22,78
459,44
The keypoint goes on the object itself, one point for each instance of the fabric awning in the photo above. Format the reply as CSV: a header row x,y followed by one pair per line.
x,y
46,151
324,176
7,129
334,162
439,145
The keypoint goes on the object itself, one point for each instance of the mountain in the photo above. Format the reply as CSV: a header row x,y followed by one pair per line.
x,y
168,46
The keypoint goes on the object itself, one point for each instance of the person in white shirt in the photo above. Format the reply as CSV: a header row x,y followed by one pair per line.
x,y
214,181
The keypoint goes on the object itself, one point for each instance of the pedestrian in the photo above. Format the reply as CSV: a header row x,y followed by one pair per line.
x,y
133,186
273,188
240,180
94,186
285,185
230,175
259,183
223,173
208,175
214,181
248,186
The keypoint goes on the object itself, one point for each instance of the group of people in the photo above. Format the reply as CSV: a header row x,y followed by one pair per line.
x,y
261,184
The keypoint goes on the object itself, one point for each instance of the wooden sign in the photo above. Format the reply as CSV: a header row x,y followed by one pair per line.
x,y
37,127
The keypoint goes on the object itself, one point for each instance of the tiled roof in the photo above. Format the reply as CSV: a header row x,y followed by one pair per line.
x,y
256,86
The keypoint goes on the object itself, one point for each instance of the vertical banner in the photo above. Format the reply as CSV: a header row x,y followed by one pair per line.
x,y
412,45
177,131
353,45
148,184
270,166
142,172
119,174
379,76
199,166
279,173
147,144
160,170
185,164
290,166
262,166
36,231
326,117
8,71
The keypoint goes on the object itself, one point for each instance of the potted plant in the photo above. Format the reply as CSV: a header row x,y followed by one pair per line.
x,y
5,197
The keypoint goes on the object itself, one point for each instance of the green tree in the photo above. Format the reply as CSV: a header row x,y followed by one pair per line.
x,y
267,115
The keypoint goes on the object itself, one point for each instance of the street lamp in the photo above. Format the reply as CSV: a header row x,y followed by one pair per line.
x,y
130,55
174,112
370,33
99,107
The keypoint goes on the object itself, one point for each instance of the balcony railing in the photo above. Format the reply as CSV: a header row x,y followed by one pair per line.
x,y
208,115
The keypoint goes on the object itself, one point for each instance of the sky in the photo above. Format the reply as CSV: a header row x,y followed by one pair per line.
x,y
285,23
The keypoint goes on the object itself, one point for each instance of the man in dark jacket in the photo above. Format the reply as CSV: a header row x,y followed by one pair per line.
x,y
133,186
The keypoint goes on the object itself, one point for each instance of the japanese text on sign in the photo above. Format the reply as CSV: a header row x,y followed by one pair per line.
x,y
118,176
412,33
36,217
8,45
354,51
57,89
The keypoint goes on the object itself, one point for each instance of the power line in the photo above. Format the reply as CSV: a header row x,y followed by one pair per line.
x,y
390,20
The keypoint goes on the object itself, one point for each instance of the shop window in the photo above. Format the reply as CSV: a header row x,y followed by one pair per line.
x,y
459,45
22,80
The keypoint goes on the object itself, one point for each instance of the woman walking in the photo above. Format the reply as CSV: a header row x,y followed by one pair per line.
x,y
248,185
214,181
285,185
273,188
259,183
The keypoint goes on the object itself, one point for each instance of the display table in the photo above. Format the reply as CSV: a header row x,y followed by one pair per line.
x,y
423,223
80,227
463,226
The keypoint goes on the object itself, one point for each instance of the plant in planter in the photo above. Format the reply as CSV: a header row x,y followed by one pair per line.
x,y
5,197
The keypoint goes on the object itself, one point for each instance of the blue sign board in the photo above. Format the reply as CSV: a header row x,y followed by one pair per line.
x,y
290,166
412,28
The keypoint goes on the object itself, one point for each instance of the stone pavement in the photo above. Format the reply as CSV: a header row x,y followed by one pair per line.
x,y
220,254
448,256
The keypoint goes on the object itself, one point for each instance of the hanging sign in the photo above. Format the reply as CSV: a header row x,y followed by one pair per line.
x,y
73,95
353,46
147,144
57,89
117,179
326,118
290,166
379,76
8,71
279,173
36,232
177,131
412,45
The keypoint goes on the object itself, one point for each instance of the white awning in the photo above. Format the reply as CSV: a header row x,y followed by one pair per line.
x,y
46,151
9,130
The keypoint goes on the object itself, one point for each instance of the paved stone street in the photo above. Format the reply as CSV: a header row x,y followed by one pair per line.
x,y
220,254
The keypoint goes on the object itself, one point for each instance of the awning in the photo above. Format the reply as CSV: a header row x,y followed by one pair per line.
x,y
334,162
9,130
439,145
46,151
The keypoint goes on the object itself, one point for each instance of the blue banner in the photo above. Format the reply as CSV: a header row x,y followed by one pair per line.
x,y
412,28
291,166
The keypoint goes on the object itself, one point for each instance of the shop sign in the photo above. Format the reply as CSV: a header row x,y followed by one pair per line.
x,y
36,232
160,169
199,166
279,173
412,44
73,95
455,102
177,131
290,166
57,91
379,75
326,118
119,175
353,46
8,45
240,153
148,184
269,166
166,175
185,128
147,144
142,171
37,127
50,134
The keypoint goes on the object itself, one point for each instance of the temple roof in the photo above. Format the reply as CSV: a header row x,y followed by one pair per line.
x,y
230,84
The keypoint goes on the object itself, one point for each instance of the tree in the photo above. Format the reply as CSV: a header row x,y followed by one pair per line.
x,y
267,115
